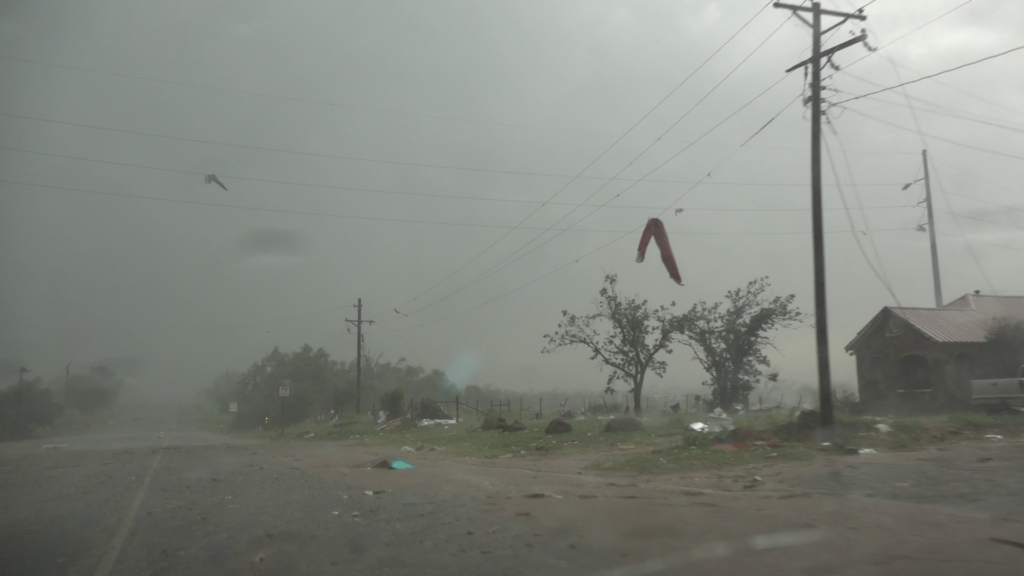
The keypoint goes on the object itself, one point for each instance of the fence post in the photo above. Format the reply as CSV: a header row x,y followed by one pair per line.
x,y
456,409
686,399
520,407
478,409
541,406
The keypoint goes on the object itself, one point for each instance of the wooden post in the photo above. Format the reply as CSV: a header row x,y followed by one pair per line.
x,y
541,406
520,407
456,409
477,408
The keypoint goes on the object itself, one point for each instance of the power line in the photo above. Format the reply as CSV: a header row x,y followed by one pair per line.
x,y
989,243
489,273
499,266
940,187
940,138
956,221
939,108
904,35
302,100
528,216
886,89
286,151
400,192
955,88
1019,130
981,219
369,218
1003,206
879,272
980,179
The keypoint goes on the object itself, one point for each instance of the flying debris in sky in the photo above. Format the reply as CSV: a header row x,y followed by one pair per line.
x,y
656,229
212,179
397,312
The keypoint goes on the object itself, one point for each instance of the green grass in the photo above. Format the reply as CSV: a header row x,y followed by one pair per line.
x,y
665,445
683,457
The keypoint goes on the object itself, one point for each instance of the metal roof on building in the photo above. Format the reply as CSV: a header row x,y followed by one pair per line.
x,y
966,319
947,325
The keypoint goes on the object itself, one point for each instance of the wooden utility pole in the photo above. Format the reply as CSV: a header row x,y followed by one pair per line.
x,y
67,379
359,349
936,280
817,225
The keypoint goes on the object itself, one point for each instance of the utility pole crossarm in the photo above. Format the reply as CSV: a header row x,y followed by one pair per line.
x,y
830,51
796,8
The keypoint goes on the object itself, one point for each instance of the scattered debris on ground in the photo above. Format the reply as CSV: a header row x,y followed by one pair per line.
x,y
442,421
515,426
883,428
719,421
493,423
731,446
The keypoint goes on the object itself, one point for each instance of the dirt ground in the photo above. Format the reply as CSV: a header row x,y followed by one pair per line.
x,y
933,512
153,493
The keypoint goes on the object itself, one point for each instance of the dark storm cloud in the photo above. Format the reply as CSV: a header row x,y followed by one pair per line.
x,y
374,149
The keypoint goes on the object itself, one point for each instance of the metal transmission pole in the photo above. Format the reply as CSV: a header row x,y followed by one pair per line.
x,y
820,305
359,349
931,232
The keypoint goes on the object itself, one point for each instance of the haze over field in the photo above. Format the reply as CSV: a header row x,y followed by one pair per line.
x,y
374,150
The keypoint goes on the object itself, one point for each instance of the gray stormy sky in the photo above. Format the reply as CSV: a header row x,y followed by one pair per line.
x,y
371,149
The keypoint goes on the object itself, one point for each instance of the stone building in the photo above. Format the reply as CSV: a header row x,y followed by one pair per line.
x,y
927,356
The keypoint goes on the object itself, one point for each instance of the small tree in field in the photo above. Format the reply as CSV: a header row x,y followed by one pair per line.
x,y
624,334
729,340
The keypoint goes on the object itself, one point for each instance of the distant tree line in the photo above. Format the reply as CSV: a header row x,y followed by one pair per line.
x,y
321,386
31,404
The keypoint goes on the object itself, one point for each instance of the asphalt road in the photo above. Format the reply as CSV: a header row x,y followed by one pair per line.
x,y
124,500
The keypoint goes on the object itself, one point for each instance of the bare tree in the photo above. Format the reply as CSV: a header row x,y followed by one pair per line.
x,y
624,334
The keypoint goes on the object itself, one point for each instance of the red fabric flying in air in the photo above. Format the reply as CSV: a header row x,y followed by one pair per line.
x,y
656,229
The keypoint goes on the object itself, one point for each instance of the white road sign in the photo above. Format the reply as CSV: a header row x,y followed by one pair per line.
x,y
284,390
233,407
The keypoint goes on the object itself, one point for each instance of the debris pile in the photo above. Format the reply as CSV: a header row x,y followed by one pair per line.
x,y
623,425
493,423
558,426
515,426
